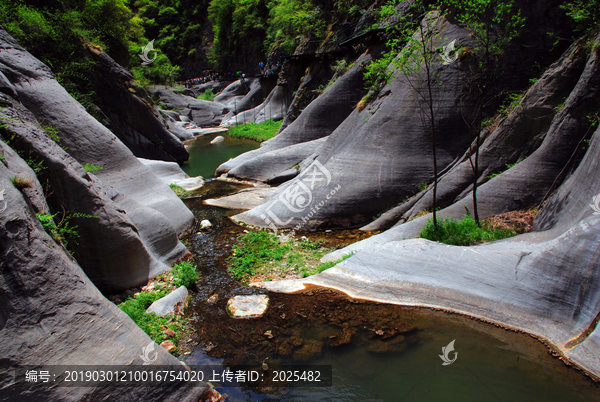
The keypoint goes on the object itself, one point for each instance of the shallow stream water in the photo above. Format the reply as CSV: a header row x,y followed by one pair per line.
x,y
389,353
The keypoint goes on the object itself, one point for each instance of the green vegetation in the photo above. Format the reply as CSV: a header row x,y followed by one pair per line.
x,y
64,35
463,233
62,232
151,323
185,274
511,102
264,255
508,166
208,95
241,26
90,167
180,191
182,274
586,14
20,183
257,132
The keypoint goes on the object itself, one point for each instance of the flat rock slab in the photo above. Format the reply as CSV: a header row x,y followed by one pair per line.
x,y
244,200
173,303
247,306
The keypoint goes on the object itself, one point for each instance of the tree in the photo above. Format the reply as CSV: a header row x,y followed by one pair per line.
x,y
493,25
419,38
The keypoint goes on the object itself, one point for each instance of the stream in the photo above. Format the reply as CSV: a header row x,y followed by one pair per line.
x,y
377,352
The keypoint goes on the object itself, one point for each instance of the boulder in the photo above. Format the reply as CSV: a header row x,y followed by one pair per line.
x,y
203,113
171,173
217,139
236,88
205,224
247,306
173,303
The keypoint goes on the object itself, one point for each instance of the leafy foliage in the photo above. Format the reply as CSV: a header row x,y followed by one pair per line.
x,y
184,274
257,132
207,95
63,231
463,233
255,248
586,14
90,167
151,323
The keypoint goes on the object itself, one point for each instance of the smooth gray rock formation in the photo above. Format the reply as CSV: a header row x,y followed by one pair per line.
x,y
110,248
171,173
236,88
273,108
247,306
153,211
320,118
518,136
387,143
173,303
245,199
202,113
131,114
268,165
217,139
52,314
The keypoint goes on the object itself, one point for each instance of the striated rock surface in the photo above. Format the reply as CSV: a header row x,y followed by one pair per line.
x,y
52,314
131,114
140,217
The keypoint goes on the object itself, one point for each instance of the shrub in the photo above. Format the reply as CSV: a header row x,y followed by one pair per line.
x,y
184,274
208,95
463,233
62,232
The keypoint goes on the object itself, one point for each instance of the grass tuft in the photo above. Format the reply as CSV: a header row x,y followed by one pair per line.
x,y
257,132
180,191
463,233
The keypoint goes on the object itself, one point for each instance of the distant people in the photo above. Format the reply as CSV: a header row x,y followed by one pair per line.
x,y
262,67
346,29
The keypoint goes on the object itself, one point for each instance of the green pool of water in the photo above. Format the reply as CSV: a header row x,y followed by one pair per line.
x,y
205,157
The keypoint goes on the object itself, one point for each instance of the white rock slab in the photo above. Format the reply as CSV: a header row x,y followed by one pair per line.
x,y
173,303
247,306
217,139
